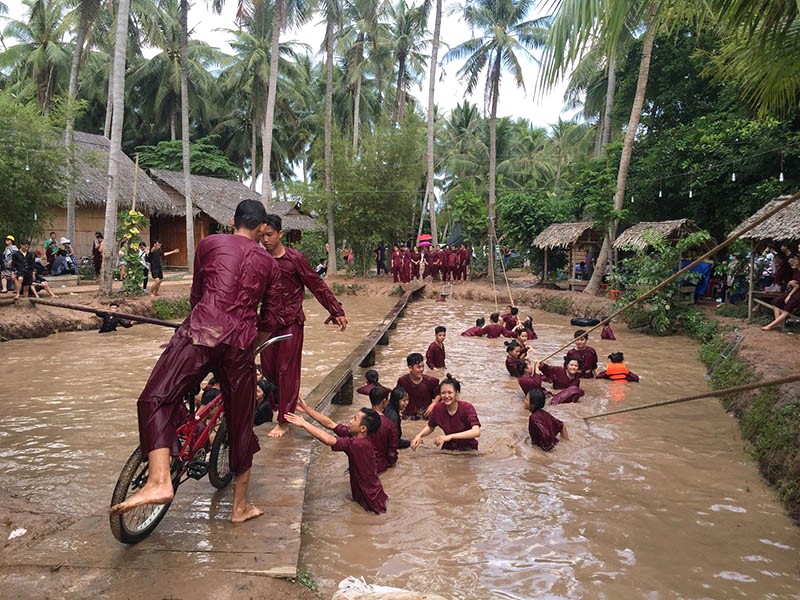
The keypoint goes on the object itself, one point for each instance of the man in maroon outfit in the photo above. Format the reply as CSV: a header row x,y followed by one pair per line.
x,y
476,331
397,264
281,363
232,274
585,354
405,268
494,329
435,356
422,389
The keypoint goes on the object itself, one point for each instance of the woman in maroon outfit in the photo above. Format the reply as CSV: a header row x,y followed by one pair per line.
x,y
281,362
405,268
458,420
543,427
787,304
566,379
416,258
397,264
232,275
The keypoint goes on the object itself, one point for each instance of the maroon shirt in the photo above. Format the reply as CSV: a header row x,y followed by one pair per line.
x,y
509,321
232,274
527,383
434,357
473,332
366,389
297,275
384,442
494,330
464,419
544,429
588,359
515,366
558,377
364,482
420,394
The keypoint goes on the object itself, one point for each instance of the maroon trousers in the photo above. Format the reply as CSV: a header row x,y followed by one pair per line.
x,y
183,365
281,365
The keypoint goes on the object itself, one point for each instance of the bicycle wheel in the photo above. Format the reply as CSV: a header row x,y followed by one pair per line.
x,y
219,468
136,524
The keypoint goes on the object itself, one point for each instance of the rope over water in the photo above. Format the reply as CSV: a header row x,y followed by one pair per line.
x,y
685,269
724,392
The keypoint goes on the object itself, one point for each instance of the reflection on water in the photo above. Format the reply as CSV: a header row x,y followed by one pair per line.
x,y
659,504
69,418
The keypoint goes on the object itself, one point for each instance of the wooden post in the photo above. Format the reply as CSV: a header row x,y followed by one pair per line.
x,y
545,264
135,181
384,341
750,285
369,360
345,394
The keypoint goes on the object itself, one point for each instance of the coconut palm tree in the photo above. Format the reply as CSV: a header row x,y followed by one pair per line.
x,y
507,36
115,149
332,9
429,132
407,29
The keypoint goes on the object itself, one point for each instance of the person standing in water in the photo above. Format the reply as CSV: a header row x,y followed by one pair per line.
x,y
458,420
282,364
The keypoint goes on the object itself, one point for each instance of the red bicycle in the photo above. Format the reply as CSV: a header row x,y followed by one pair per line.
x,y
203,451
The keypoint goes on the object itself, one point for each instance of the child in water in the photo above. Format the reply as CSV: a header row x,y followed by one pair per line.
x,y
543,427
616,369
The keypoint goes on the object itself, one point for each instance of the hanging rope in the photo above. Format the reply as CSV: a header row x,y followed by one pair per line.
x,y
733,390
492,236
503,266
685,269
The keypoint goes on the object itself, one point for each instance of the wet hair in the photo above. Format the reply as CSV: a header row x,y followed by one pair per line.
x,y
568,360
616,357
370,419
514,310
249,214
451,381
213,381
371,376
397,394
510,346
480,322
528,322
581,333
440,329
414,359
274,221
377,395
494,317
536,399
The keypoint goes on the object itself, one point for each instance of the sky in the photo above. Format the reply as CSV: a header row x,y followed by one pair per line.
x,y
514,102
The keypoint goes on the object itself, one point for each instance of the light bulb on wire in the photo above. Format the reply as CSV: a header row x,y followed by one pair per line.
x,y
733,176
660,194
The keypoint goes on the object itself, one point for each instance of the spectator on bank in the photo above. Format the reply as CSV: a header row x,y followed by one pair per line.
x,y
8,274
156,256
64,263
23,263
143,261
50,248
97,253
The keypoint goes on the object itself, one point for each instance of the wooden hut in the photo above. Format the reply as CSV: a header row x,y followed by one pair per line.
x,y
780,227
574,238
91,152
633,238
214,202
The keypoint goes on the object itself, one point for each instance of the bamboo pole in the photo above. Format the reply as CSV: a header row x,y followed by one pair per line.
x,y
135,181
724,392
685,269
751,281
101,312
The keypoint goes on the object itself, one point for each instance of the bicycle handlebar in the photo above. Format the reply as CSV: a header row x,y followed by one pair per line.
x,y
270,341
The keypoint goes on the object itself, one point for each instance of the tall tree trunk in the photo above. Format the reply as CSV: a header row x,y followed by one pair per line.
x,y
329,208
429,196
611,90
356,114
115,148
272,89
399,95
109,97
253,153
627,148
185,134
173,125
87,15
495,92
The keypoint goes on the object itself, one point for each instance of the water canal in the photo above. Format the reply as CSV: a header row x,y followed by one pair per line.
x,y
656,504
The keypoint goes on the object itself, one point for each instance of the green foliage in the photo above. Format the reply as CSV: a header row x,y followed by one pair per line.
x,y
469,209
659,313
699,327
204,155
305,579
312,245
556,304
736,311
171,309
132,223
32,169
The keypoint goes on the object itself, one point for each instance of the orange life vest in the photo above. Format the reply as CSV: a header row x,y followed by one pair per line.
x,y
617,371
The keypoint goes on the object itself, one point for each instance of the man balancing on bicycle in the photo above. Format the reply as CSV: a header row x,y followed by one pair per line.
x,y
232,274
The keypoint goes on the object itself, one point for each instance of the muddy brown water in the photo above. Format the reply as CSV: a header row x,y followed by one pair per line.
x,y
662,503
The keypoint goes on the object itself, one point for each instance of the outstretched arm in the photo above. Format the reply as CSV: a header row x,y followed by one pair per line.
x,y
322,436
323,420
417,441
473,432
564,434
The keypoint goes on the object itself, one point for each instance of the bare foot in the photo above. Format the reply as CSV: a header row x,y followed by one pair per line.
x,y
766,328
250,512
277,431
149,494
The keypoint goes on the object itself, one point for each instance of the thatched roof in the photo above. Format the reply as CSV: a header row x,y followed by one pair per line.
x,y
218,198
632,238
91,152
784,225
562,234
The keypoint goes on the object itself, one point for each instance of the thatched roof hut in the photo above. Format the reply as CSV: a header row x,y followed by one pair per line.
x,y
633,237
91,151
564,235
784,225
218,198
